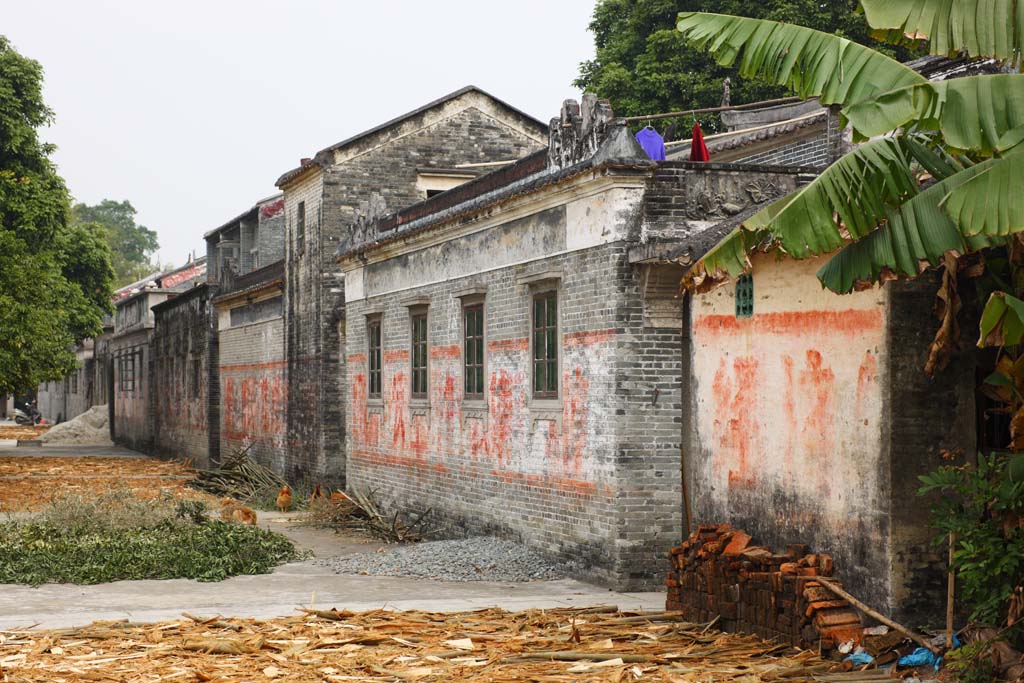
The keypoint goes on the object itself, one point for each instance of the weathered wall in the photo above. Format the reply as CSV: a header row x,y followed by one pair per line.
x,y
253,389
132,423
468,129
180,368
789,418
579,477
928,415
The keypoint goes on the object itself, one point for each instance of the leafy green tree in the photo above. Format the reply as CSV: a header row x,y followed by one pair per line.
x,y
936,182
644,66
132,244
55,280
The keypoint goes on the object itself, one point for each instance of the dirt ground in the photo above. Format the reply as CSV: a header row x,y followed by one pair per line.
x,y
27,484
492,645
10,431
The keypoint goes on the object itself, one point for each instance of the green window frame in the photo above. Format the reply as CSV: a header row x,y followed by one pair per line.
x,y
374,357
545,345
745,296
418,323
473,352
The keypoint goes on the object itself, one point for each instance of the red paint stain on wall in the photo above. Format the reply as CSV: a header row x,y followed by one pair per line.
x,y
587,337
736,424
356,358
396,356
450,352
817,384
570,442
507,345
502,405
398,403
802,323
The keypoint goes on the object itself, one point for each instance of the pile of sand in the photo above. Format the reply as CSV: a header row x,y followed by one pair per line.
x,y
91,428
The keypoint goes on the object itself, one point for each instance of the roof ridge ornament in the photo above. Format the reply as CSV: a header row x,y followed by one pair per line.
x,y
581,130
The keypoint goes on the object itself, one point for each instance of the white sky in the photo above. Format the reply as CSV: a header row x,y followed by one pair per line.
x,y
191,110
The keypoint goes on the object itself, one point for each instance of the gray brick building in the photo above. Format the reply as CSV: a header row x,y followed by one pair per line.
x,y
397,163
515,352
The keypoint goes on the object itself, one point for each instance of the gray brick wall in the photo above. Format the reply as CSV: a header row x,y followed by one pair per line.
x,y
811,152
180,405
582,479
254,391
314,303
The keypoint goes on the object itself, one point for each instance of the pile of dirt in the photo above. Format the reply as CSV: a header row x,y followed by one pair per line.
x,y
91,428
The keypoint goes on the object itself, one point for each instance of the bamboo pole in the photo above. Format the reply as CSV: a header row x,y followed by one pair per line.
x,y
914,636
712,110
950,592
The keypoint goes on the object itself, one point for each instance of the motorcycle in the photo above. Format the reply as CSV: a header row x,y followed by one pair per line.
x,y
32,417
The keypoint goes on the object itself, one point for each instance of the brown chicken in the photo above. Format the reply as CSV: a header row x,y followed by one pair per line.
x,y
338,497
284,498
244,516
317,493
227,507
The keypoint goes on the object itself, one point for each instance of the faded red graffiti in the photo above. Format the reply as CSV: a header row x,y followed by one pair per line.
x,y
736,425
803,323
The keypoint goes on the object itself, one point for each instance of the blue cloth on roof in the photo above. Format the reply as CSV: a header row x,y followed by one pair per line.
x,y
652,143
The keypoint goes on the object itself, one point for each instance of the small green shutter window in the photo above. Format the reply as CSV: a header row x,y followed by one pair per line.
x,y
545,345
473,351
419,355
745,296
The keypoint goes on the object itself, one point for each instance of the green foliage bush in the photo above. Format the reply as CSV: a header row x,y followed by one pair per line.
x,y
983,505
117,537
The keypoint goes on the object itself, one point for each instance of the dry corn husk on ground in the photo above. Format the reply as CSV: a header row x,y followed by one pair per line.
x,y
30,483
490,645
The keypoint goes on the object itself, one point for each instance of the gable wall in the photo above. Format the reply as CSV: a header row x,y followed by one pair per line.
x,y
789,418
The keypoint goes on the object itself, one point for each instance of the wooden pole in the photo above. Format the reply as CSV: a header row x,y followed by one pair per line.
x,y
950,592
916,637
711,110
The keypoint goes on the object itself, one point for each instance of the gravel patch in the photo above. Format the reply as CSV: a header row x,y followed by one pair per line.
x,y
471,559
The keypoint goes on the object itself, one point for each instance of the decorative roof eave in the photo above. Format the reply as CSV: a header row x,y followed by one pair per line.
x,y
462,212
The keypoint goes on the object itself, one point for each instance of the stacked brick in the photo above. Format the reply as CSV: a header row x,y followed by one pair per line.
x,y
716,572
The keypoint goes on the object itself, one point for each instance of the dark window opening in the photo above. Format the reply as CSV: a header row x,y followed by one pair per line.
x,y
993,419
419,355
745,296
545,345
433,193
473,351
373,334
300,228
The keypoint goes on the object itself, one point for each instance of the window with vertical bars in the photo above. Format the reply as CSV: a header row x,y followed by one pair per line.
x,y
373,334
419,355
545,345
745,296
300,228
473,351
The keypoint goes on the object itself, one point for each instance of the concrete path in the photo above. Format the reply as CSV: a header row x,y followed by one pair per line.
x,y
289,586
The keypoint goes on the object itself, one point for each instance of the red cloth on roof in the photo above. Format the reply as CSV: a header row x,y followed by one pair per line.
x,y
698,150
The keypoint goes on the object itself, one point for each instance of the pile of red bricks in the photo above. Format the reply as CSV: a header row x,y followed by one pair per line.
x,y
716,572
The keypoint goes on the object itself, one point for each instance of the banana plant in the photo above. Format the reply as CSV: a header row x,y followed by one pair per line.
x,y
938,173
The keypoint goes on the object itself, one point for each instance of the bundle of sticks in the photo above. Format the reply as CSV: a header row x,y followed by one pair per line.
x,y
238,476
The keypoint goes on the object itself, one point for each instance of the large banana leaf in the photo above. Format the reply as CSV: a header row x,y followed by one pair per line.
x,y
729,258
812,63
982,28
980,113
991,202
859,189
1002,321
917,233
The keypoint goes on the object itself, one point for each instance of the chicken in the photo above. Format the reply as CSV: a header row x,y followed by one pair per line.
x,y
317,493
338,497
227,507
244,516
284,498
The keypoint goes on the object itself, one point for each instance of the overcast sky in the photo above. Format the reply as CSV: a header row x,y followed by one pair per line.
x,y
191,110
